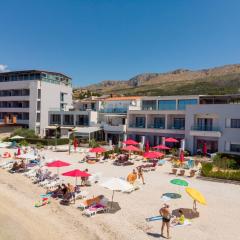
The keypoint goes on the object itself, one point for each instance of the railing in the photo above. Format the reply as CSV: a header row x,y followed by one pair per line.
x,y
148,108
136,126
114,110
205,128
156,126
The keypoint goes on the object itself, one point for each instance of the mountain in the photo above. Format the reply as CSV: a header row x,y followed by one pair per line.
x,y
218,80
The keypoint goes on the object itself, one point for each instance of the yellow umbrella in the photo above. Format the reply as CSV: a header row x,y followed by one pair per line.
x,y
196,195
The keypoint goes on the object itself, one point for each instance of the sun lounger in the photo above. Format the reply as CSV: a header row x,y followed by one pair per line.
x,y
93,210
174,171
192,173
89,202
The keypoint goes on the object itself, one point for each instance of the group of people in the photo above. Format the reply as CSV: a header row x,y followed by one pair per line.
x,y
166,219
18,166
64,191
136,174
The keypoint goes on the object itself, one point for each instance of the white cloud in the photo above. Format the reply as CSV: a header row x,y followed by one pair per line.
x,y
3,68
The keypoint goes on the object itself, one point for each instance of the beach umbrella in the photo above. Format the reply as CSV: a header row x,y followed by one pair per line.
x,y
147,147
130,142
171,140
179,182
196,196
171,195
204,150
17,137
152,155
162,147
76,173
116,184
181,156
97,150
131,148
57,164
27,156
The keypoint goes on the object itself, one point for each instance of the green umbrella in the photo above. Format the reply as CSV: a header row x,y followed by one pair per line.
x,y
179,182
172,195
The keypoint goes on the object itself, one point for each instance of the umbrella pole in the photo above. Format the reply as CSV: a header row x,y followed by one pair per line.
x,y
112,199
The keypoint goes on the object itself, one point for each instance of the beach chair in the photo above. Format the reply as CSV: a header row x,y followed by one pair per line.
x,y
181,172
192,173
89,202
93,210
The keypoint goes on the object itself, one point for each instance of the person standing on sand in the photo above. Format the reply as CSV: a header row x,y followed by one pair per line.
x,y
140,174
166,217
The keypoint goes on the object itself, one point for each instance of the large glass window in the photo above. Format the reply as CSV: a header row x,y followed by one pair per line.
x,y
235,123
167,104
184,102
179,123
159,123
140,122
234,147
204,124
149,105
55,119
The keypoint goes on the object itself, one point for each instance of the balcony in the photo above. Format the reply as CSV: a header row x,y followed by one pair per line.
x,y
114,110
114,128
154,126
133,125
205,131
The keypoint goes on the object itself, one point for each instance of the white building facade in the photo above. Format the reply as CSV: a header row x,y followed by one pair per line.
x,y
30,95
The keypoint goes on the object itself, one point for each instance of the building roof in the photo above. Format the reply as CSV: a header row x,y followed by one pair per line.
x,y
123,98
33,71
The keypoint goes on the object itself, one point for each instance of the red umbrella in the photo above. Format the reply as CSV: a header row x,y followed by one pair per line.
x,y
182,156
171,140
131,148
152,155
130,142
147,147
204,150
18,152
76,173
58,164
162,147
98,150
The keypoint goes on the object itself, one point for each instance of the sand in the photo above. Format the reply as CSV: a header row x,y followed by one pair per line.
x,y
19,219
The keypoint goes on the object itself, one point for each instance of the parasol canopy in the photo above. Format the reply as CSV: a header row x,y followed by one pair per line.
x,y
162,147
196,195
152,155
179,182
97,150
171,140
130,142
131,148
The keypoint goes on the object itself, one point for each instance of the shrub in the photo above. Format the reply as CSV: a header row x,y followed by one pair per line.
x,y
206,168
226,161
23,143
93,143
24,132
39,145
48,142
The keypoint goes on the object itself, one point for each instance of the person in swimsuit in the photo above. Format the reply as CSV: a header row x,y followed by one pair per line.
x,y
166,217
140,174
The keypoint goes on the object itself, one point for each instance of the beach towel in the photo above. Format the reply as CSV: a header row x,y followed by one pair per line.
x,y
155,218
187,222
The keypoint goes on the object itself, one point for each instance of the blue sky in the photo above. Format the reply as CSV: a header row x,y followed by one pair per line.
x,y
94,40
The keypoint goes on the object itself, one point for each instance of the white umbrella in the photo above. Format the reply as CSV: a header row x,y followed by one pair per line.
x,y
17,137
116,184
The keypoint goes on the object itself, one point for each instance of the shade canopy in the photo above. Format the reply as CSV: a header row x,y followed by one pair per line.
x,y
58,164
116,184
131,148
17,137
179,182
130,142
171,140
97,150
172,195
196,195
76,173
152,155
162,147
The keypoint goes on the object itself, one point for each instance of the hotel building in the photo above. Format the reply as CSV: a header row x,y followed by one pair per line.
x,y
27,96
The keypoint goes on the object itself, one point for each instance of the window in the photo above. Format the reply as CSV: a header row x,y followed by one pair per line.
x,y
61,106
38,117
167,104
184,102
140,122
204,124
55,119
149,105
235,123
234,147
179,123
39,93
62,97
38,105
159,123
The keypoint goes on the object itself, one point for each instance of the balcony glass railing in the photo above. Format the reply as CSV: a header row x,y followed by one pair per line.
x,y
136,125
114,110
205,128
155,126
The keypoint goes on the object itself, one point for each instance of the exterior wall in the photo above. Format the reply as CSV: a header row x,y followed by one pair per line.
x,y
50,100
221,114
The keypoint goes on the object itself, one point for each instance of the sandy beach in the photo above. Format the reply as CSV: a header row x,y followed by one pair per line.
x,y
19,219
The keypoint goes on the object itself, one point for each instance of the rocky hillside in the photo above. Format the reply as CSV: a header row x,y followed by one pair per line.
x,y
219,80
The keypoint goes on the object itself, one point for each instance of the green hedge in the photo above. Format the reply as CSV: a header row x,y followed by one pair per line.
x,y
48,142
229,175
